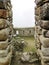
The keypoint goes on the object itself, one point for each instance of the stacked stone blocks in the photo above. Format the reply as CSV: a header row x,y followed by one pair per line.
x,y
5,32
42,30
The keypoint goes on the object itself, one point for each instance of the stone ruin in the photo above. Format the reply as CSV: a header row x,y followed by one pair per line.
x,y
42,30
6,32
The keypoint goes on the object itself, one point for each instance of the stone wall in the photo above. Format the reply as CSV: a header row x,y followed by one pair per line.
x,y
25,31
6,32
42,30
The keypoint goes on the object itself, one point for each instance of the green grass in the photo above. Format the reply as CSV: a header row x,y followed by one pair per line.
x,y
30,44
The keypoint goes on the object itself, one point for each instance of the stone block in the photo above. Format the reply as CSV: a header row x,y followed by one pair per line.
x,y
4,44
37,44
44,24
44,41
41,2
45,33
38,30
38,1
37,11
44,63
45,51
6,60
2,4
3,13
4,34
10,14
45,11
3,23
37,18
4,52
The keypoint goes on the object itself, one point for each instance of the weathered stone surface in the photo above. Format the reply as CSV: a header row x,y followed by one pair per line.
x,y
44,41
37,43
38,1
44,24
3,13
9,3
38,11
9,8
37,20
10,13
45,11
38,30
44,63
29,57
42,20
6,49
44,58
6,60
4,34
2,4
45,33
45,51
3,23
25,57
41,2
4,44
3,53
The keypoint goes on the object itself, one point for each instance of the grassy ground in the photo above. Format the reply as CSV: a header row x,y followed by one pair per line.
x,y
30,47
30,44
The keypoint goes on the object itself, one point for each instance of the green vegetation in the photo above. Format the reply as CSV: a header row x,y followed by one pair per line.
x,y
30,44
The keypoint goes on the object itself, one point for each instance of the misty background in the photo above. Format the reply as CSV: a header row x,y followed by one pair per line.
x,y
23,13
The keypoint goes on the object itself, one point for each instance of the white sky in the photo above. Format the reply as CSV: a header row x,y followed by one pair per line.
x,y
23,13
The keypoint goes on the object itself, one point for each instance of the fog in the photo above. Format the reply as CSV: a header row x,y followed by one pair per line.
x,y
23,13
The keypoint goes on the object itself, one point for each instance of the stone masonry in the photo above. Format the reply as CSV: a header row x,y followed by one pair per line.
x,y
25,31
6,32
42,30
